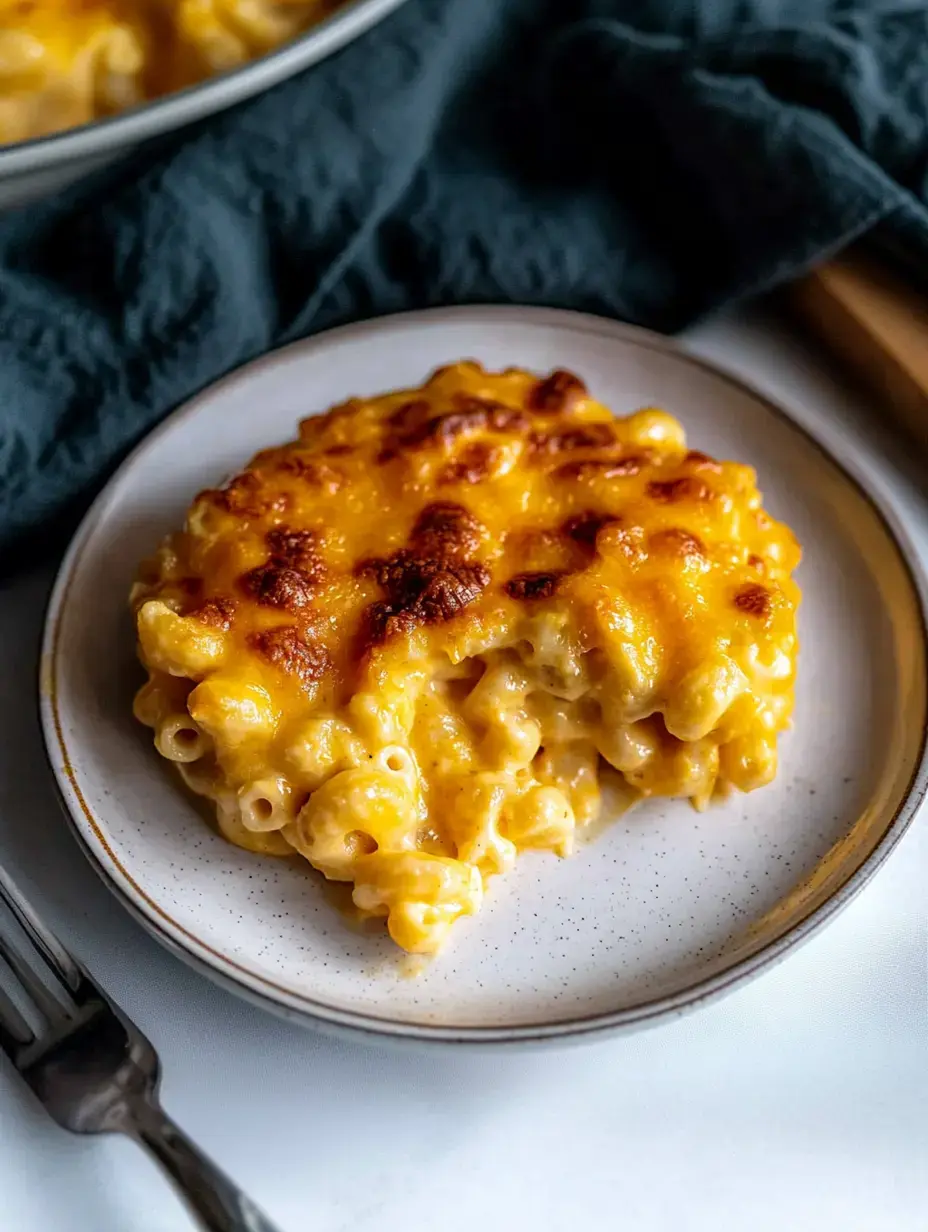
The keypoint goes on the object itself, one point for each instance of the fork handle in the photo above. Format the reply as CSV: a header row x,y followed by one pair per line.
x,y
217,1203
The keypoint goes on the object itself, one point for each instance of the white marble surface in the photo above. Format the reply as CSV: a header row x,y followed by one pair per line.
x,y
798,1102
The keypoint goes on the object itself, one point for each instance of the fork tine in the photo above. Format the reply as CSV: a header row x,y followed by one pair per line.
x,y
14,1030
45,941
49,1006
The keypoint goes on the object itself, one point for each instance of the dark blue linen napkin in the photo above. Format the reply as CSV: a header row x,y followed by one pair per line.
x,y
647,159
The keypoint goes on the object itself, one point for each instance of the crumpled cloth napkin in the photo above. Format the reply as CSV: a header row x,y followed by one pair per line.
x,y
646,159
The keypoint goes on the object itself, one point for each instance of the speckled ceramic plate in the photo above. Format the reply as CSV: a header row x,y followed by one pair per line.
x,y
666,908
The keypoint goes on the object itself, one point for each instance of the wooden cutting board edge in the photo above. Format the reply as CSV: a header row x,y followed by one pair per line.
x,y
877,327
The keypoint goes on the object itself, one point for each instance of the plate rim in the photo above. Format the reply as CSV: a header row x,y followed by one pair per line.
x,y
270,995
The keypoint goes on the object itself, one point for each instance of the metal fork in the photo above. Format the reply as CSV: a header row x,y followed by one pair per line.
x,y
92,1068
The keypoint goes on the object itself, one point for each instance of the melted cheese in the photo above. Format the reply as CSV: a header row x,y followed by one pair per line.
x,y
432,624
68,62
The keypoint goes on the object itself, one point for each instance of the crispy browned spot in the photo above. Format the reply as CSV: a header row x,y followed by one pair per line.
x,y
472,465
533,585
421,591
755,600
244,497
606,468
670,491
289,578
584,527
431,580
702,462
241,491
443,532
487,412
391,572
409,415
339,451
447,426
274,585
558,393
677,542
314,474
446,528
506,419
591,436
472,412
757,562
287,649
298,549
415,424
407,427
218,613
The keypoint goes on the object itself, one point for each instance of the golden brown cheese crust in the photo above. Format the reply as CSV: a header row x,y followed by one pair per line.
x,y
461,605
304,581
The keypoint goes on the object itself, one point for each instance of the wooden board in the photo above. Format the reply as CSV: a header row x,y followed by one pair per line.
x,y
877,326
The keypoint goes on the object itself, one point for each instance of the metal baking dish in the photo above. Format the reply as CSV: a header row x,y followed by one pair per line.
x,y
32,169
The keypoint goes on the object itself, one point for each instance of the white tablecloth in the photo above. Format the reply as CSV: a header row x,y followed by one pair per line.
x,y
799,1102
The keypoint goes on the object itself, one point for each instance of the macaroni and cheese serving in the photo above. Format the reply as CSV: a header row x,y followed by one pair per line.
x,y
421,637
67,62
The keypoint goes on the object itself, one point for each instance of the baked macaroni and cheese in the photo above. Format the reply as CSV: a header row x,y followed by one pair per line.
x,y
420,638
67,62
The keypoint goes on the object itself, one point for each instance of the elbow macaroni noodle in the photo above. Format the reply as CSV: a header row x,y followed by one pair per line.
x,y
63,64
546,597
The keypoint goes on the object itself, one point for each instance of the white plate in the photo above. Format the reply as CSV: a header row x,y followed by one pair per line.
x,y
666,907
